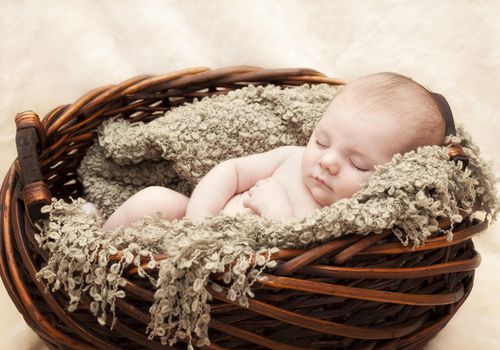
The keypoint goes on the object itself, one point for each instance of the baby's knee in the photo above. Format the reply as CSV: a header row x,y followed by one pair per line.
x,y
171,203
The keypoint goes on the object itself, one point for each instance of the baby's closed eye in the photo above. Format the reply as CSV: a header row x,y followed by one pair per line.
x,y
359,166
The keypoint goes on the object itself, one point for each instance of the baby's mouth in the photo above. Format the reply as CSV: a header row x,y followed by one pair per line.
x,y
320,180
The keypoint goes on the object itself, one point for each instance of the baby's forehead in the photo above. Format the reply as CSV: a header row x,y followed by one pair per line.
x,y
370,114
398,119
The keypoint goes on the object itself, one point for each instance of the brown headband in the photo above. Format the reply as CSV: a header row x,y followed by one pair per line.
x,y
445,109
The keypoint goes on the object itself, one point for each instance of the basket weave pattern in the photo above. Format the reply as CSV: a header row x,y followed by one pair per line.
x,y
358,292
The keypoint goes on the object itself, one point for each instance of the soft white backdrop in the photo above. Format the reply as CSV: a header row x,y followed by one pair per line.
x,y
52,52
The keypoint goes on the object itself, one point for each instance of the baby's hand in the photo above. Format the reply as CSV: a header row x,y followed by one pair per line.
x,y
267,198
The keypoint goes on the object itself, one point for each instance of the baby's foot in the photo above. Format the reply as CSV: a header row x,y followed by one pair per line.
x,y
90,209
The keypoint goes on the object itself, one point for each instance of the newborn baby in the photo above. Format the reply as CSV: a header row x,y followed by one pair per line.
x,y
367,122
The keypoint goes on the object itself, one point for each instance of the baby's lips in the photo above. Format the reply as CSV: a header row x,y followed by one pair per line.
x,y
323,182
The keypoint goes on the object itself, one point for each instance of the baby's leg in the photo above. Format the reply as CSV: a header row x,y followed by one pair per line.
x,y
147,201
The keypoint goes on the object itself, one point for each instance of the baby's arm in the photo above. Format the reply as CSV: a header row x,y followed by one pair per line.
x,y
231,177
213,191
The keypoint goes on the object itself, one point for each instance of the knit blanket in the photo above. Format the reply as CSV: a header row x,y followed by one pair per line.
x,y
408,195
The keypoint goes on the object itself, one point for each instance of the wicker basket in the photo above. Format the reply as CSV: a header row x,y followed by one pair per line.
x,y
358,292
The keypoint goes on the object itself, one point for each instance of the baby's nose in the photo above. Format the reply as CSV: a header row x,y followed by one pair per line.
x,y
330,164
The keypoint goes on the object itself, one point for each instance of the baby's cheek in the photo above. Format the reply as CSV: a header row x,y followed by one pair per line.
x,y
361,181
351,184
366,177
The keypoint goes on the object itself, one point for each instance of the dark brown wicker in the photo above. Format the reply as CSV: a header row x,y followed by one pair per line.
x,y
356,292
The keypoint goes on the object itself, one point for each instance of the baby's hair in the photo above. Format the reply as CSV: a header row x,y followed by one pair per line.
x,y
402,97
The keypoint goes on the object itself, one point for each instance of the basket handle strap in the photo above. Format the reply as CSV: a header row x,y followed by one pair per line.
x,y
30,141
455,151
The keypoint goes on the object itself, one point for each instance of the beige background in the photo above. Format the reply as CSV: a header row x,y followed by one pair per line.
x,y
53,52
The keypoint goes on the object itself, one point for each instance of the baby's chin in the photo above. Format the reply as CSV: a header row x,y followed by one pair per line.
x,y
321,198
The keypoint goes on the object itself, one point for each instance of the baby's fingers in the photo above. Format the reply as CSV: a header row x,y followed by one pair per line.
x,y
252,204
261,182
248,203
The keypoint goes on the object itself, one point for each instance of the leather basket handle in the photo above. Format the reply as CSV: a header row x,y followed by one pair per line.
x,y
30,141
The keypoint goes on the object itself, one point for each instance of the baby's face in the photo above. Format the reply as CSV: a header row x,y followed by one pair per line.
x,y
344,148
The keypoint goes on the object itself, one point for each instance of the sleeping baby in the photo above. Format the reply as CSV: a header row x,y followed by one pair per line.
x,y
367,122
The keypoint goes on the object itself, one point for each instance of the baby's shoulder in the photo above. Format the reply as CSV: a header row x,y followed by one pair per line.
x,y
296,151
294,155
293,150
